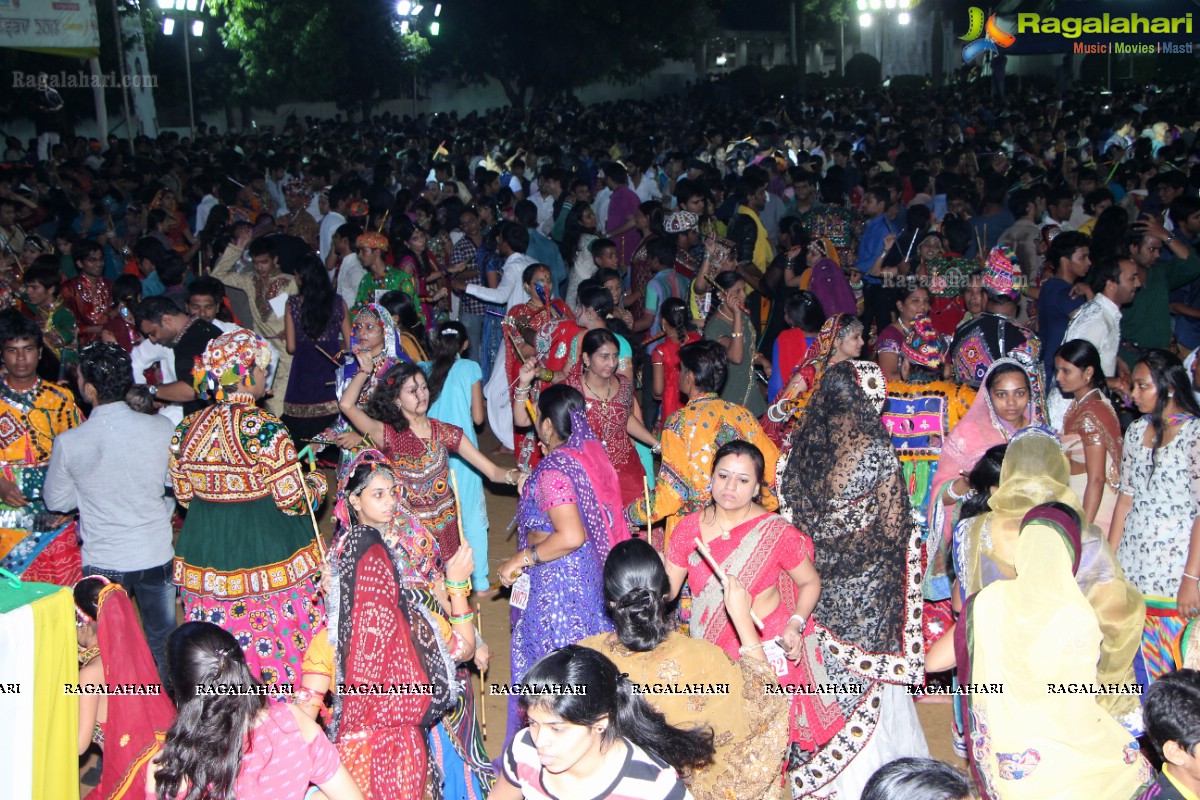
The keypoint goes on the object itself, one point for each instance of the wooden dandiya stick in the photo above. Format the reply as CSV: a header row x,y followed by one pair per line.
x,y
312,512
322,351
462,538
482,679
707,555
646,489
530,410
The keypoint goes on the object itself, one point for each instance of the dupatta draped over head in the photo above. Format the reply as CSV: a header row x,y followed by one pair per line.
x,y
598,491
842,485
1036,472
1027,634
381,637
137,723
980,429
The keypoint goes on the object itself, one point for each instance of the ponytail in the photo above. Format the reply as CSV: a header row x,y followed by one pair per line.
x,y
444,350
642,724
204,747
611,694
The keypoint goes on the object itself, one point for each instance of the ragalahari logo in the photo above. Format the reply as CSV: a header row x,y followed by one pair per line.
x,y
993,37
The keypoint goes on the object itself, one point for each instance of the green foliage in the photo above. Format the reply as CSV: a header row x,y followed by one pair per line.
x,y
863,71
538,49
350,51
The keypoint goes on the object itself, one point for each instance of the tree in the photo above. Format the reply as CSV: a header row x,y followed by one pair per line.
x,y
540,49
351,51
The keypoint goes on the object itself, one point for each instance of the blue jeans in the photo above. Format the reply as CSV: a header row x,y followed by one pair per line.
x,y
154,591
474,325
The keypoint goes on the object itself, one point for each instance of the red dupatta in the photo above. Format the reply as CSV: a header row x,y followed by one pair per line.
x,y
137,723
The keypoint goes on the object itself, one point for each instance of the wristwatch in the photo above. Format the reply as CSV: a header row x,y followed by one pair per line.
x,y
153,390
1170,238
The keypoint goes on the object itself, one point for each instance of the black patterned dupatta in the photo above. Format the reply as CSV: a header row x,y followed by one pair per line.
x,y
381,637
842,485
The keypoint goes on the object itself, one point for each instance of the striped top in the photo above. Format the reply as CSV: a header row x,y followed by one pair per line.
x,y
642,777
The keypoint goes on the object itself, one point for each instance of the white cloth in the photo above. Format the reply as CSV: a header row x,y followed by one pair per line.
x,y
1099,322
499,404
583,268
276,193
1188,364
350,275
647,190
511,291
16,708
333,220
600,206
545,212
898,734
204,208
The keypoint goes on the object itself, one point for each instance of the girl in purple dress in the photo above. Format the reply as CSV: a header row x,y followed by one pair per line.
x,y
569,516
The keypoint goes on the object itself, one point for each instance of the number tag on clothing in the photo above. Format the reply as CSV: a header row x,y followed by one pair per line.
x,y
520,592
776,657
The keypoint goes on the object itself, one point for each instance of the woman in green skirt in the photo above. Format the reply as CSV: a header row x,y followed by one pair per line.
x,y
246,560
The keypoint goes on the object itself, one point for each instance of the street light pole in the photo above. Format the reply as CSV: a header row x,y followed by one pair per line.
x,y
187,65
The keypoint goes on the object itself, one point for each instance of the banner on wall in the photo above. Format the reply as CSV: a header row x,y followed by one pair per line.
x,y
58,27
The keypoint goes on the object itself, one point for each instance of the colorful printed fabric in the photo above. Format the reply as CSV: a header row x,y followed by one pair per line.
x,y
234,451
1162,647
29,422
382,638
273,629
423,470
690,438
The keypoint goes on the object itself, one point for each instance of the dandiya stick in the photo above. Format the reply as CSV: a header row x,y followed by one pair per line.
x,y
322,351
646,488
720,573
482,680
462,538
312,512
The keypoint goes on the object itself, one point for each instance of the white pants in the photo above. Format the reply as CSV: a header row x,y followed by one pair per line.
x,y
44,142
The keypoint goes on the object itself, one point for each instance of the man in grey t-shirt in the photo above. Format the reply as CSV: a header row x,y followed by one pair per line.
x,y
113,468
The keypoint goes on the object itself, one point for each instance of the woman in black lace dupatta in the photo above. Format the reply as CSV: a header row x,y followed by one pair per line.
x,y
841,484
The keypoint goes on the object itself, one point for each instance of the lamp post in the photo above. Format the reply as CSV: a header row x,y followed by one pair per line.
x,y
409,12
196,29
867,11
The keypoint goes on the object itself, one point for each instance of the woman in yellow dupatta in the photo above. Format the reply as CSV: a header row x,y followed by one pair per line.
x,y
1035,471
1024,637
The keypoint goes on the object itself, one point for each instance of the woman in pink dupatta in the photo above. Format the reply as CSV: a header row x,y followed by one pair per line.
x,y
774,561
997,413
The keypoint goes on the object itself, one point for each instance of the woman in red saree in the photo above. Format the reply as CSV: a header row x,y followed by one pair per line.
x,y
129,728
613,412
774,561
525,339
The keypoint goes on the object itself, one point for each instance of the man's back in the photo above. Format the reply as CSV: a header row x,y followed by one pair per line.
x,y
113,468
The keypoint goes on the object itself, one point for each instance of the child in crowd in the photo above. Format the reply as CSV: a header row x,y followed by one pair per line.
x,y
1172,715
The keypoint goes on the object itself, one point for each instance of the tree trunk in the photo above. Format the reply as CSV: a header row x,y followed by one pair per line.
x,y
937,54
515,95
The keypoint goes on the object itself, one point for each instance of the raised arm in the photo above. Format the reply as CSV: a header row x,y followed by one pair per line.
x,y
364,424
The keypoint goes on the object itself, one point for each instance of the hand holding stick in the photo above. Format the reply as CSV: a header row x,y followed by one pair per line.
x,y
720,573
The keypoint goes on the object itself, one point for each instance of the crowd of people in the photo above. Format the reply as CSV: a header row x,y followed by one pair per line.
x,y
833,405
